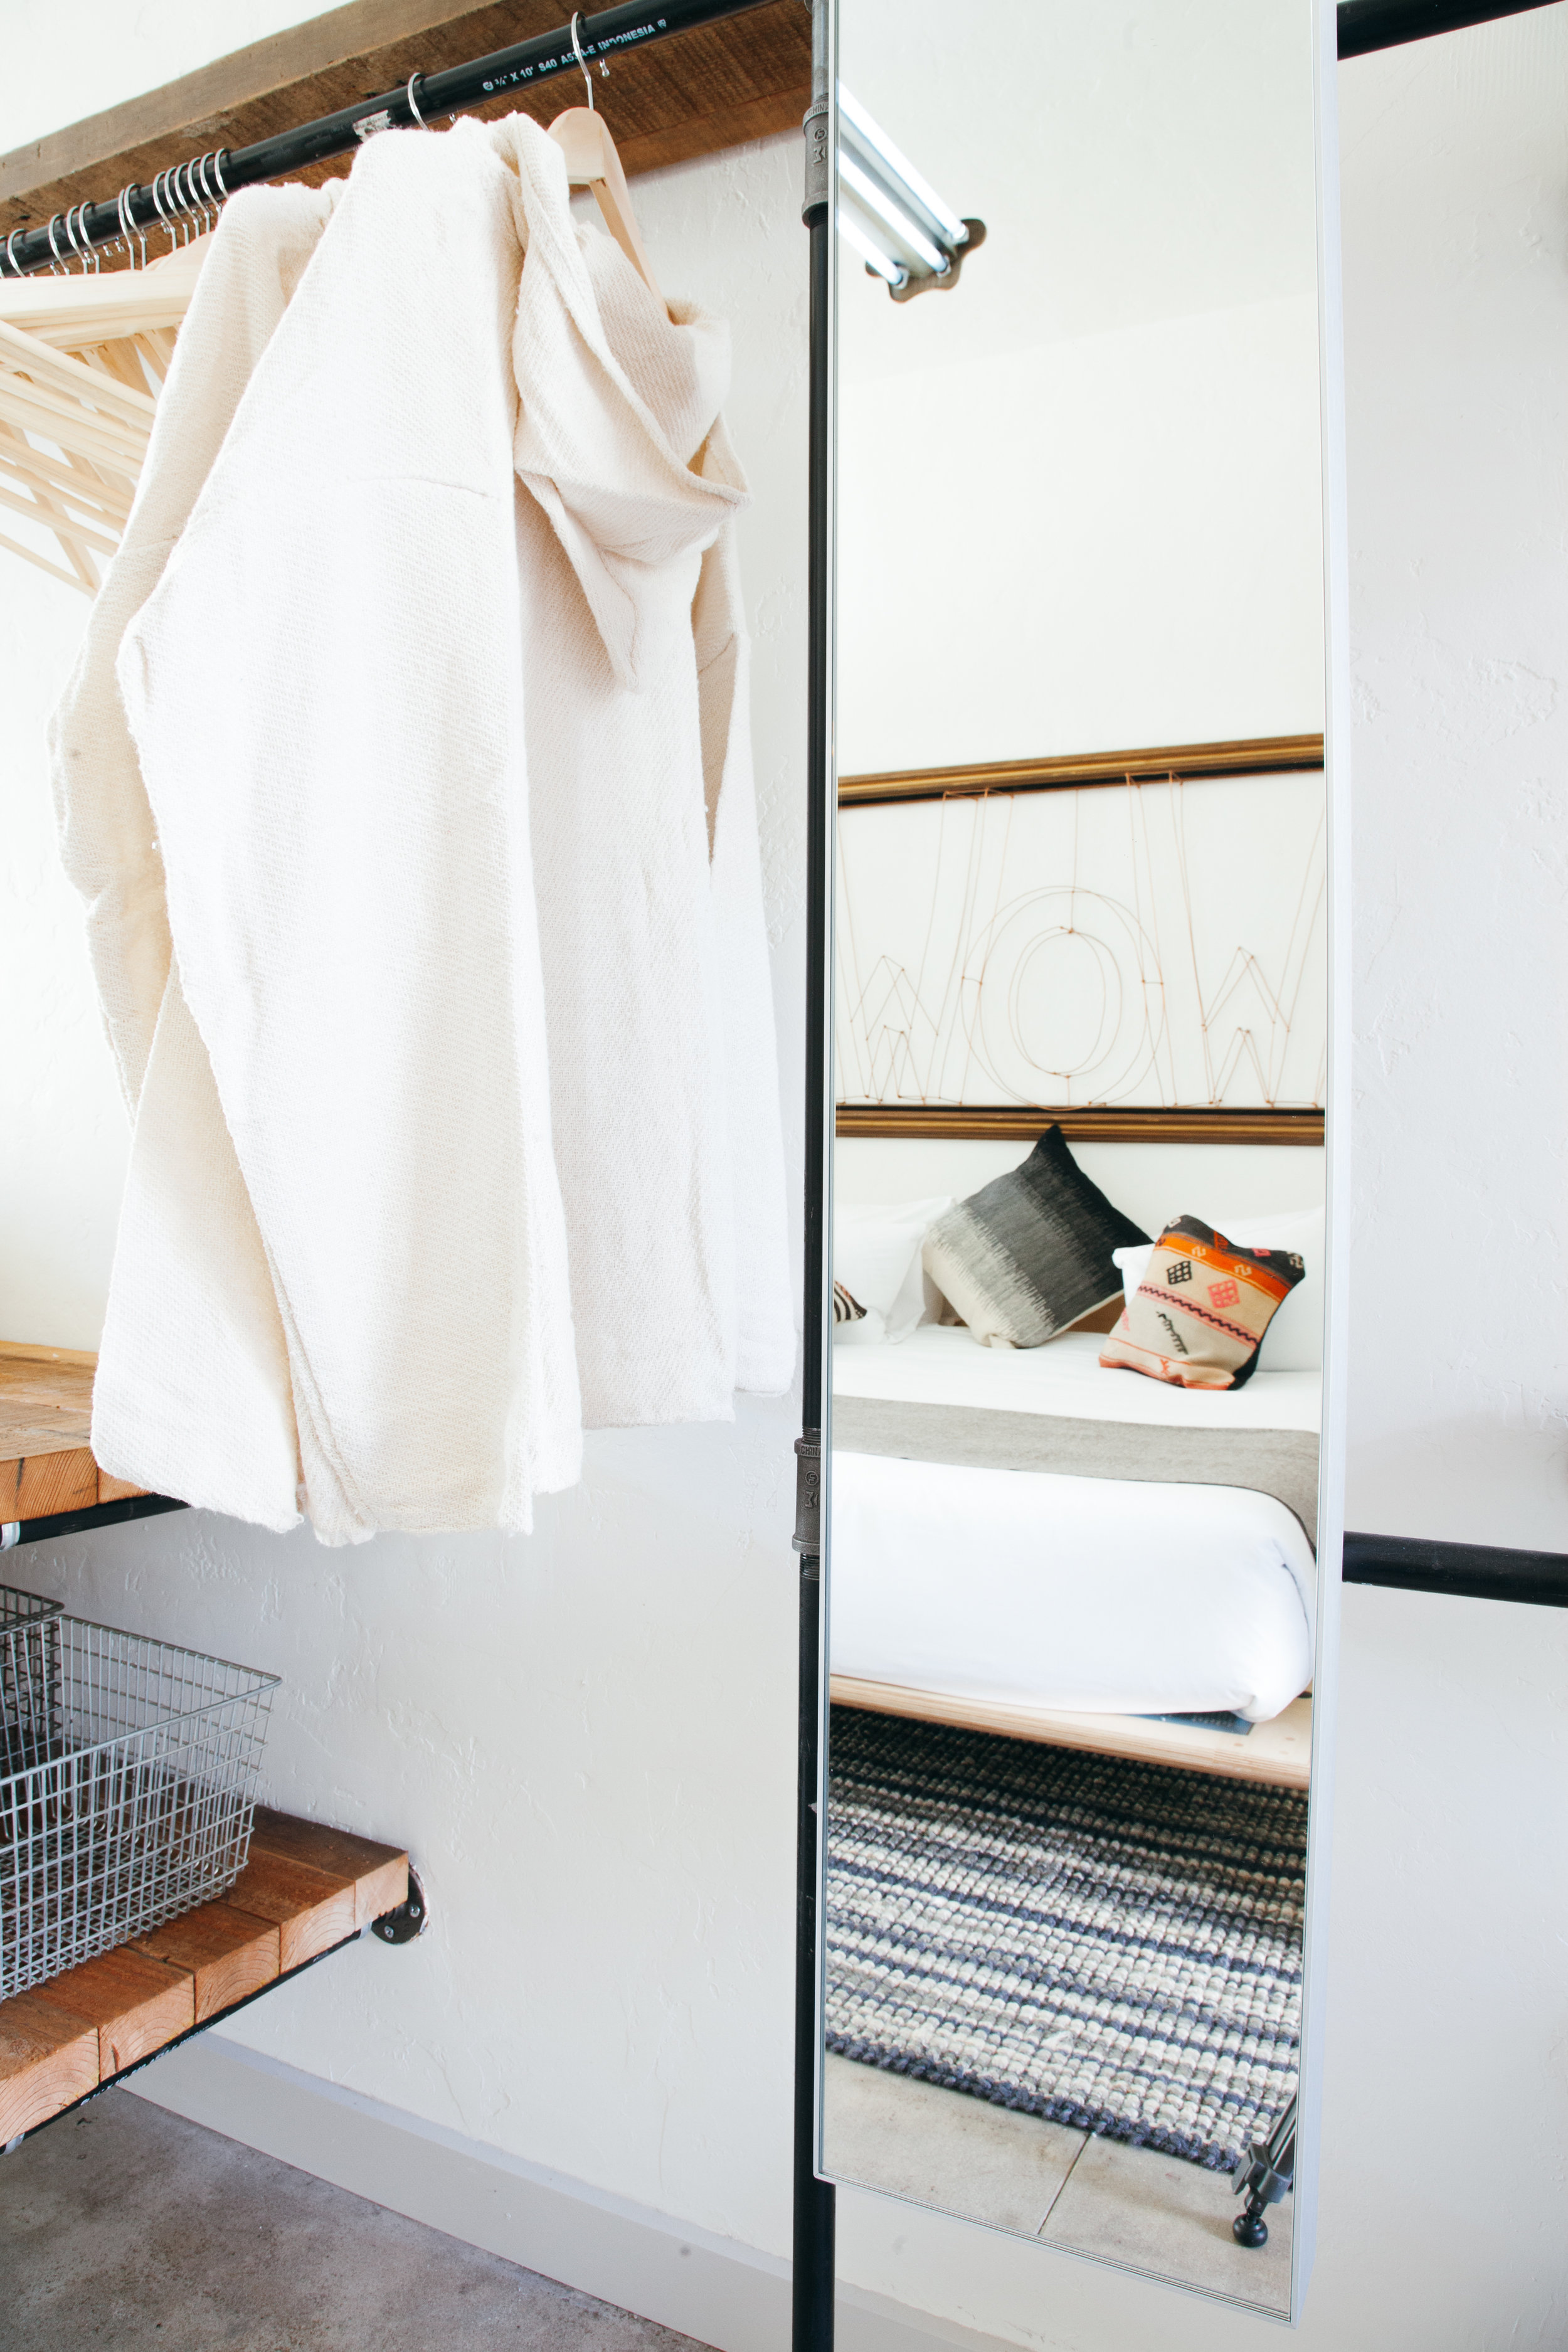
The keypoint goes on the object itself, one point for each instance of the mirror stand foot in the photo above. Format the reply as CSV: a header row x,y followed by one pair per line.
x,y
1249,2228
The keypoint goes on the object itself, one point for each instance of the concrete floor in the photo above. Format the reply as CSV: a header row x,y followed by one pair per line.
x,y
1041,2181
124,2224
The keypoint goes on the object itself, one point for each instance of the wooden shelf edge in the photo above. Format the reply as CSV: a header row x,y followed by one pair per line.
x,y
306,1892
47,1465
1277,1754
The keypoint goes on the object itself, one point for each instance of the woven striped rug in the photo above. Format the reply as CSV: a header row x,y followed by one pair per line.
x,y
1108,1944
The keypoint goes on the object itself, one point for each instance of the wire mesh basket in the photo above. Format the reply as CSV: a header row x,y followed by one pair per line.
x,y
25,1683
128,1774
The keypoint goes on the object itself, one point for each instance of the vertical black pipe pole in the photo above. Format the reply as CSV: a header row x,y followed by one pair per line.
x,y
812,2329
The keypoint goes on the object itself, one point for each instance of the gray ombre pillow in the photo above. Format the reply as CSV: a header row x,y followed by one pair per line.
x,y
1026,1255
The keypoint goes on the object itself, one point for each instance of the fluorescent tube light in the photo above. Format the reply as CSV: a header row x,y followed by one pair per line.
x,y
869,135
904,228
850,230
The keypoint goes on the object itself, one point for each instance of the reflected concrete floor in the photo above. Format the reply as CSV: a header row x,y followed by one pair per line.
x,y
124,2226
1015,2172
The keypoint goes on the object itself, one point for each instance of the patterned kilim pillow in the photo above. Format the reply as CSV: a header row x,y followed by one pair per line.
x,y
1204,1304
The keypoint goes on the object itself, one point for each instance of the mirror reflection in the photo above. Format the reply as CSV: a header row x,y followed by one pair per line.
x,y
1080,1038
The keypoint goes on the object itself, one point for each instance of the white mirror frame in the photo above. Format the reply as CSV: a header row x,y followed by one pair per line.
x,y
1331,1503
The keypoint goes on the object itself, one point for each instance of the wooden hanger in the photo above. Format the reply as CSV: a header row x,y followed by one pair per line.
x,y
82,360
592,163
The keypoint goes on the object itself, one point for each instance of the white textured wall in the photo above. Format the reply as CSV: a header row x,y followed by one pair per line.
x,y
1124,548
588,1738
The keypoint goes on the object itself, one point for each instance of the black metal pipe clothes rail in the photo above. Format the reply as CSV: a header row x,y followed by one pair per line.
x,y
612,33
1479,1571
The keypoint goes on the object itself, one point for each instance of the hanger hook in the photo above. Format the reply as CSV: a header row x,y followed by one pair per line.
x,y
10,257
583,62
59,264
209,202
219,154
413,103
160,189
128,224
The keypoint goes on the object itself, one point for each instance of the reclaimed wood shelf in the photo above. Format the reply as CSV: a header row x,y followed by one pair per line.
x,y
1278,1753
305,1890
691,94
46,1420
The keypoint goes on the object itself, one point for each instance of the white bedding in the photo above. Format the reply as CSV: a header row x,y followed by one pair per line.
x,y
942,1364
1037,1589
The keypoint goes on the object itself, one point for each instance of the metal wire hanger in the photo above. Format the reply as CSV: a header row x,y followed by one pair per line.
x,y
592,163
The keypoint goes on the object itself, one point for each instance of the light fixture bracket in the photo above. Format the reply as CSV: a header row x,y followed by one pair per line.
x,y
944,284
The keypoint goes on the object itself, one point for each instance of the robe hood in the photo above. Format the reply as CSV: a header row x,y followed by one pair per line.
x,y
618,434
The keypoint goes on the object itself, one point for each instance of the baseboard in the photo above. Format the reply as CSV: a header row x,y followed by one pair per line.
x,y
723,2293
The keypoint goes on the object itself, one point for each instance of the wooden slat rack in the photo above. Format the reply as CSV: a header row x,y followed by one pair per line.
x,y
305,1891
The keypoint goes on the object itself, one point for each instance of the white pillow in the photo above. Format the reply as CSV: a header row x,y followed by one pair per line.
x,y
877,1257
1294,1339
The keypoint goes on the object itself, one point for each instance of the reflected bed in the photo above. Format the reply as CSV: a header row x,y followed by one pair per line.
x,y
1146,1549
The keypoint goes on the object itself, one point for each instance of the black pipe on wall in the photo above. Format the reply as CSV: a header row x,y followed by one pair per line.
x,y
1368,25
1481,1571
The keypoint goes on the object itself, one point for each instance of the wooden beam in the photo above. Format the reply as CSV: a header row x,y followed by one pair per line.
x,y
48,2059
40,1486
226,1954
311,1909
378,1874
688,95
1114,1123
135,2004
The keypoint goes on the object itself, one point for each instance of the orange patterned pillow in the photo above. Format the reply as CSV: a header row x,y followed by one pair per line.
x,y
1204,1304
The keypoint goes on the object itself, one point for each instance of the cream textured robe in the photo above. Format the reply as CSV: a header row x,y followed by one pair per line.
x,y
192,1394
365,638
665,1080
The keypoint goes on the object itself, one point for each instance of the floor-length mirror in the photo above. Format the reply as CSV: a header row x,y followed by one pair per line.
x,y
1080,1031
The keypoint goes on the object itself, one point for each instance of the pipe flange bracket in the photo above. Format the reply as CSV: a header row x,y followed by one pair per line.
x,y
808,1535
408,1919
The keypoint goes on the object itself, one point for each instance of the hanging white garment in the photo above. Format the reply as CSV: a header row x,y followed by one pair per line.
x,y
326,700
263,242
192,1394
664,1065
365,635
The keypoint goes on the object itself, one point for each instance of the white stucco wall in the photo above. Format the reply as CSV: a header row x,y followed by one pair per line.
x,y
588,1738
